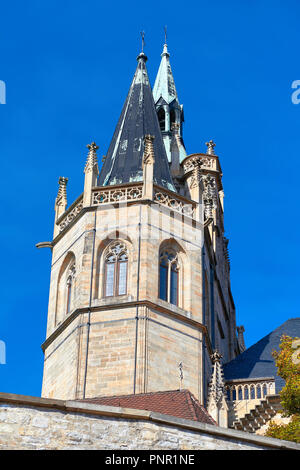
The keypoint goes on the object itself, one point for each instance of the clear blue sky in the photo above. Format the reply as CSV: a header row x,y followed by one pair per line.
x,y
67,68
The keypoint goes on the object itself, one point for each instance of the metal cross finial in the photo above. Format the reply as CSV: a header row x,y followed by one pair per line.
x,y
165,30
143,40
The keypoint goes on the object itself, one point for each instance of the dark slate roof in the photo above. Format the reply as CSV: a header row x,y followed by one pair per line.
x,y
257,361
123,162
179,403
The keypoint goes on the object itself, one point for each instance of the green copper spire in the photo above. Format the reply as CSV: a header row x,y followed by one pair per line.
x,y
169,110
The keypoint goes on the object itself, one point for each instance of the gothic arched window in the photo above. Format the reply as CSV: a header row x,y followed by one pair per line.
x,y
258,391
172,117
115,276
162,119
169,276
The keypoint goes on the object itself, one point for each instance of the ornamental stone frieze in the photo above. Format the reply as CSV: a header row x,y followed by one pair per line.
x,y
209,195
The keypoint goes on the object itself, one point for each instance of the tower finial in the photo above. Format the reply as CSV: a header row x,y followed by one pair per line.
x,y
165,30
61,199
210,147
92,162
142,55
143,40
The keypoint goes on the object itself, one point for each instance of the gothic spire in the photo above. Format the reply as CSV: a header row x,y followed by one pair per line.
x,y
164,86
124,159
169,110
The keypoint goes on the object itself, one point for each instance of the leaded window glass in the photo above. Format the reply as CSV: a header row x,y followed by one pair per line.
x,y
116,265
169,276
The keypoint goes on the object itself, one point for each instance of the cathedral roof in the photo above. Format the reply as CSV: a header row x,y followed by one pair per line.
x,y
123,162
178,403
164,89
257,361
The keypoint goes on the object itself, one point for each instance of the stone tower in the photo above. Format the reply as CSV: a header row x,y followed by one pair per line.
x,y
140,288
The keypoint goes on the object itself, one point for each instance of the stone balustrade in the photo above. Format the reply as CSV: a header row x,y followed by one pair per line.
x,y
126,194
250,389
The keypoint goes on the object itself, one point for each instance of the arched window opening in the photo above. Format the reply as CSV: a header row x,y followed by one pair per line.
x,y
70,282
240,393
116,264
246,393
264,390
172,117
252,392
66,285
162,119
169,277
258,391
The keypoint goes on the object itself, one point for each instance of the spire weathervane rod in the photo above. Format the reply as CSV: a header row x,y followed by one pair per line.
x,y
143,40
165,30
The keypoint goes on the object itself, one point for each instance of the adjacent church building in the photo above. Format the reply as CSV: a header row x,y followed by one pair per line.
x,y
140,306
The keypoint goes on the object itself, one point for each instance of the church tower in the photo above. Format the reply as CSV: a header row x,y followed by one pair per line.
x,y
140,285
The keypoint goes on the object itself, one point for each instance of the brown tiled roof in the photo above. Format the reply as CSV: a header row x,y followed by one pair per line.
x,y
179,403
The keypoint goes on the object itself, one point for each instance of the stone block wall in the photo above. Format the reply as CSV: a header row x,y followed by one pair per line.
x,y
37,424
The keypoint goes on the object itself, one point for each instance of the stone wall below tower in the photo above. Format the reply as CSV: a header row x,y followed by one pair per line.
x,y
37,424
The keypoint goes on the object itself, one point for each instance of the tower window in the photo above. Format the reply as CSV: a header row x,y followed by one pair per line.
x,y
168,277
116,264
162,119
172,117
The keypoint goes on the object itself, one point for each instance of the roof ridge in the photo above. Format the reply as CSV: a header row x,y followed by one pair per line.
x,y
134,394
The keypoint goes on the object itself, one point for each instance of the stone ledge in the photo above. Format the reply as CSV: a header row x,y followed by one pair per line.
x,y
165,309
126,413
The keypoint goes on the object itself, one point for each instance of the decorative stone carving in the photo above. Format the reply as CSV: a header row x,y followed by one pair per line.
x,y
194,164
70,216
207,162
174,203
148,157
61,199
92,161
209,195
117,250
210,147
71,274
217,404
241,341
108,196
